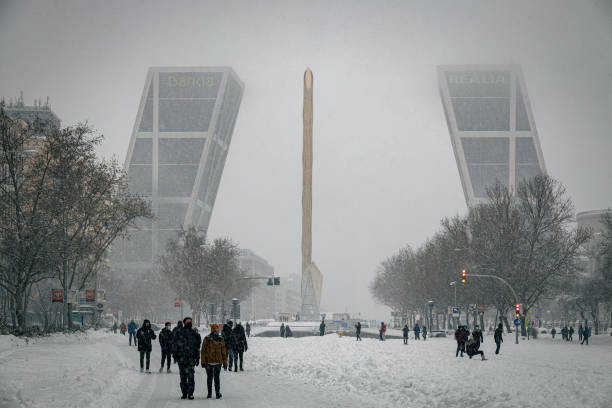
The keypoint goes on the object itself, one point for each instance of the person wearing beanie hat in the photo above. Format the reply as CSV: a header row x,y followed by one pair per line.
x,y
213,356
186,352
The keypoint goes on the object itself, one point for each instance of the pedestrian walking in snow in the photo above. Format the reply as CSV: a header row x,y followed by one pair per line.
x,y
564,333
417,332
580,332
472,347
240,345
553,332
571,333
186,352
477,333
288,332
179,325
144,335
165,342
229,342
282,330
132,332
498,337
213,356
383,331
424,332
123,329
115,328
586,334
322,328
358,331
405,331
248,329
461,338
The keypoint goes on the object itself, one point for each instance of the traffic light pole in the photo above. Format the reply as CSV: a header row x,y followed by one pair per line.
x,y
516,299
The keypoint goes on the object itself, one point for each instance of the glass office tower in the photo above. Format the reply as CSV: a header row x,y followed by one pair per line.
x,y
491,126
177,152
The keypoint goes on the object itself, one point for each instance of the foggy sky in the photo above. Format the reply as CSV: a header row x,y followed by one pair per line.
x,y
384,170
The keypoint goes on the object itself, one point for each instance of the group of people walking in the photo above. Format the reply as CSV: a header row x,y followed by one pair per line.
x,y
470,343
567,334
285,331
184,344
418,330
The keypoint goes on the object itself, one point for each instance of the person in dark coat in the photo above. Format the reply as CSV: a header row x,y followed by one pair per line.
x,y
358,331
424,331
248,329
406,330
322,328
282,329
586,335
580,332
571,333
472,347
132,331
288,332
229,342
186,352
144,335
240,345
179,325
498,337
213,356
477,333
553,332
461,337
417,332
165,342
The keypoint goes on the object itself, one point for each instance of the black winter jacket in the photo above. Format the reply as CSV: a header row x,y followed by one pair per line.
x,y
144,335
498,336
165,339
239,339
186,345
226,333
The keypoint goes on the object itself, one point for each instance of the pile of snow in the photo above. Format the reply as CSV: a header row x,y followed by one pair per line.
x,y
427,373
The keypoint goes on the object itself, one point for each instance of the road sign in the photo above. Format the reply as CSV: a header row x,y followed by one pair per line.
x,y
100,307
517,322
455,312
90,295
57,295
177,302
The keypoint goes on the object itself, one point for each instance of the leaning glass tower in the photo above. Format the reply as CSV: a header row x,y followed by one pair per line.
x,y
176,155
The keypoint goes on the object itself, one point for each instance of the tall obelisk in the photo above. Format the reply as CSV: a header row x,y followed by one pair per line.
x,y
312,280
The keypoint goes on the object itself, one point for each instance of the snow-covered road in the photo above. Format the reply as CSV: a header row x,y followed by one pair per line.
x,y
101,370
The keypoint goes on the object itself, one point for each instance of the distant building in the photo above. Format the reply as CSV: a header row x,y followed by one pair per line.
x,y
592,219
260,302
39,117
176,155
491,125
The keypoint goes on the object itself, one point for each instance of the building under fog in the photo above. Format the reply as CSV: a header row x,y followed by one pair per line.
x,y
177,153
491,125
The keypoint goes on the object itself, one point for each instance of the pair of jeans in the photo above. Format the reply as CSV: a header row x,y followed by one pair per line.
x,y
498,343
144,353
187,375
237,354
212,372
358,336
134,336
165,356
406,340
230,358
460,348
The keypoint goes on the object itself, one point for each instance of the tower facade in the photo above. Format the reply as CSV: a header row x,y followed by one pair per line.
x,y
177,153
491,125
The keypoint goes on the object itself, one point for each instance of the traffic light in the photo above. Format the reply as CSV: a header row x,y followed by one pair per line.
x,y
463,275
517,308
275,281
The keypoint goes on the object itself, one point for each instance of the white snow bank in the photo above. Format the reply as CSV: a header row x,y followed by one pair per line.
x,y
427,373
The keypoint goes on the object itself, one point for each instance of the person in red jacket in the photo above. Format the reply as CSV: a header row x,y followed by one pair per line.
x,y
461,337
383,330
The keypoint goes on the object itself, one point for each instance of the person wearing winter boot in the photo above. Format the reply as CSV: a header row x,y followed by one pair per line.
x,y
461,337
477,333
417,332
472,348
405,331
498,337
240,345
570,333
186,352
580,332
553,332
322,328
144,335
248,329
424,333
358,331
226,333
213,356
165,342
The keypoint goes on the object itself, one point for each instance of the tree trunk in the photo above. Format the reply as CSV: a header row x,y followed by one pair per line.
x,y
482,321
69,314
505,320
20,309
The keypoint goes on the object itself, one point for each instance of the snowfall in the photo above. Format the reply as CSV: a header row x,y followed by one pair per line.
x,y
100,369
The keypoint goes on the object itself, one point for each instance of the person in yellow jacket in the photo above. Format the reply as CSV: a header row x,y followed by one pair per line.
x,y
213,356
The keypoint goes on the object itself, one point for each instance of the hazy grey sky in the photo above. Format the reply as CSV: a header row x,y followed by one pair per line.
x,y
384,170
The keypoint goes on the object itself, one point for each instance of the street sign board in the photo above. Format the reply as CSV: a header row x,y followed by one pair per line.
x,y
517,322
90,295
72,296
455,312
57,295
177,302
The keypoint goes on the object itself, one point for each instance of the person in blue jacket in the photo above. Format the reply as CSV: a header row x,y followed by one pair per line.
x,y
417,332
132,331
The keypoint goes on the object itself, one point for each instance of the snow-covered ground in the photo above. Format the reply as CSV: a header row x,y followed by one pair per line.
x,y
101,370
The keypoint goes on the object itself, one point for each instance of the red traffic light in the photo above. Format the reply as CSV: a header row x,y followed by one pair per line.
x,y
463,274
517,307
